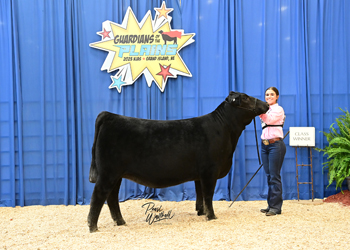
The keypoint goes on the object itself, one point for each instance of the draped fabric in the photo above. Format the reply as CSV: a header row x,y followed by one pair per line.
x,y
52,89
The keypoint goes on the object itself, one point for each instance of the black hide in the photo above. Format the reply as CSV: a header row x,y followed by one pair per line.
x,y
160,154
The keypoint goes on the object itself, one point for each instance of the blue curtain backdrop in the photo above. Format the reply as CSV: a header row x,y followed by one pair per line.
x,y
51,88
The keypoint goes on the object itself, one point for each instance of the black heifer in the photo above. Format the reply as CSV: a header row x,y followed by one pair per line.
x,y
160,154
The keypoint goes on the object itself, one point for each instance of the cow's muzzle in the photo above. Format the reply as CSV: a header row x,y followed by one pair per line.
x,y
253,109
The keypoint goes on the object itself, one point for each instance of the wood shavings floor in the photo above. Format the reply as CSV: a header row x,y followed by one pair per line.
x,y
302,225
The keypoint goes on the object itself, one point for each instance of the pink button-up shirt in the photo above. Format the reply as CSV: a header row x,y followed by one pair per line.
x,y
274,116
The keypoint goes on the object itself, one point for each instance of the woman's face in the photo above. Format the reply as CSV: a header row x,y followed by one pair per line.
x,y
271,97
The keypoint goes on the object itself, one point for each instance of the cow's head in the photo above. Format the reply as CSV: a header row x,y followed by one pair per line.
x,y
248,103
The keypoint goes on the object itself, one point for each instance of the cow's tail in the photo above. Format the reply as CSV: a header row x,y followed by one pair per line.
x,y
93,170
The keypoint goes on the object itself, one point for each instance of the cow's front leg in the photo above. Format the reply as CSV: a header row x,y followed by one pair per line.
x,y
208,187
113,204
99,195
199,198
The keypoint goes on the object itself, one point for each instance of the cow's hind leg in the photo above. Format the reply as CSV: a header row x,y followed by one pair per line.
x,y
99,196
208,187
199,198
113,204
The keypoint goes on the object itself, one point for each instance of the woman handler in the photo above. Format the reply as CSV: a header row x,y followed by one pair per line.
x,y
273,151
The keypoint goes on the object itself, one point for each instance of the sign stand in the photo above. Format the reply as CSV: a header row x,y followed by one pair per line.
x,y
311,171
303,137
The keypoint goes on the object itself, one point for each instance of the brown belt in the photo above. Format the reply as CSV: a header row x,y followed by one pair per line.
x,y
270,141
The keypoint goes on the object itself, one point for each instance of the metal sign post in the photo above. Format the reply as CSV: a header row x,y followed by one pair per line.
x,y
303,137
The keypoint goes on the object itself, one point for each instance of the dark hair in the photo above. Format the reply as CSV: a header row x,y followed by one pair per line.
x,y
274,89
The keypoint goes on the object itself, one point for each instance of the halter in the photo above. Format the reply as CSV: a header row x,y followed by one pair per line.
x,y
253,110
256,136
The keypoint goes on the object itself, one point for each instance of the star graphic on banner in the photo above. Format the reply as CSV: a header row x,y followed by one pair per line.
x,y
163,11
105,33
164,71
117,83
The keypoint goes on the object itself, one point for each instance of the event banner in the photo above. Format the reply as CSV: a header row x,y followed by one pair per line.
x,y
150,47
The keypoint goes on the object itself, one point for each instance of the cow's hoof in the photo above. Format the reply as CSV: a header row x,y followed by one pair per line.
x,y
200,212
212,217
121,222
93,229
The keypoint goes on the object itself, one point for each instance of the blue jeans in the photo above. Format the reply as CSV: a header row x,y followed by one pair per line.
x,y
272,157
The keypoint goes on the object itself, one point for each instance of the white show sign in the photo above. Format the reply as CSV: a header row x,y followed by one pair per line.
x,y
302,136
